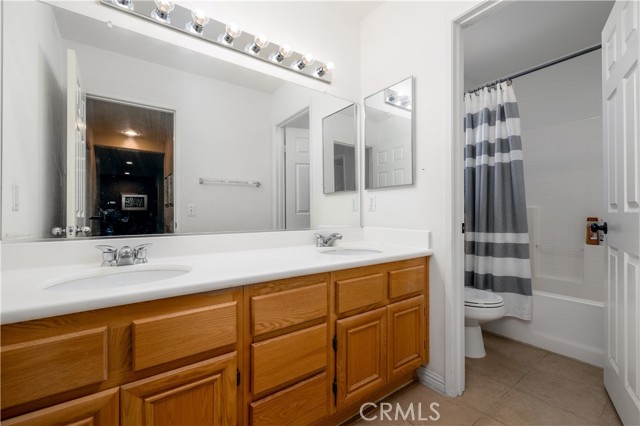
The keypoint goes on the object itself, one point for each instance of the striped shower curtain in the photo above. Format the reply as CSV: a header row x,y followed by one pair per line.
x,y
496,236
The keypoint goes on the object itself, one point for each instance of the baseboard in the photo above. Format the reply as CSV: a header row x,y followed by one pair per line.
x,y
432,380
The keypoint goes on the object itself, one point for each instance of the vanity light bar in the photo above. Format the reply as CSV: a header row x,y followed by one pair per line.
x,y
194,23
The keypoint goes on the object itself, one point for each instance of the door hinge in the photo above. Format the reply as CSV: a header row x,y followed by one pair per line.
x,y
335,343
237,377
463,227
335,387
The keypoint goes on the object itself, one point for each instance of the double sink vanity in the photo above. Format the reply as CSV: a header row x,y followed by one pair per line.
x,y
292,335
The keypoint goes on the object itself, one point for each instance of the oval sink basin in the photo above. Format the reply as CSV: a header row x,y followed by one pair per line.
x,y
119,276
350,252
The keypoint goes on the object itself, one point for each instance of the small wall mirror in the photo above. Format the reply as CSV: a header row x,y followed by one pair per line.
x,y
389,136
339,137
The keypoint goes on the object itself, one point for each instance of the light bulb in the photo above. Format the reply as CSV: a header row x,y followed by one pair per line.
x,y
305,61
232,31
131,133
162,10
325,69
259,42
199,20
125,4
284,51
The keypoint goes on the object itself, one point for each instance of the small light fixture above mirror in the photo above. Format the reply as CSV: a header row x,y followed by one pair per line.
x,y
162,10
231,32
306,60
259,42
198,21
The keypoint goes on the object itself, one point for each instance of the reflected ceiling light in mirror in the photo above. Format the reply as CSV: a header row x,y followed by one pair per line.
x,y
199,20
259,42
130,163
398,99
127,173
306,60
325,69
231,32
283,52
192,22
162,10
131,133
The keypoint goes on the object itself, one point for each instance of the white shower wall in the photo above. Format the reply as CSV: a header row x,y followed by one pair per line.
x,y
561,119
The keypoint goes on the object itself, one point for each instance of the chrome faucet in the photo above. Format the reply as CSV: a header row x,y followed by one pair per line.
x,y
327,241
111,256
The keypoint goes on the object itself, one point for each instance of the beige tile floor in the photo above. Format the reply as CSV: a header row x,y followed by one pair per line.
x,y
515,384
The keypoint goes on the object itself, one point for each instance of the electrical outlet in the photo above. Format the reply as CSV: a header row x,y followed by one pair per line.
x,y
354,204
372,203
191,210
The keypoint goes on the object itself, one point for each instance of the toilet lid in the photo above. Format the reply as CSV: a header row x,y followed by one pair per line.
x,y
481,298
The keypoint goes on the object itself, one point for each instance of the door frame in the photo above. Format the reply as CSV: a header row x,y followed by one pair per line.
x,y
454,380
279,197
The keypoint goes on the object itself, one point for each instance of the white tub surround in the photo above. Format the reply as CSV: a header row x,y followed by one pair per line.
x,y
24,296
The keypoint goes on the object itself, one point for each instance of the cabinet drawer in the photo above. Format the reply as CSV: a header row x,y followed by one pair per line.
x,y
275,311
359,292
405,282
44,367
301,404
99,409
283,359
172,336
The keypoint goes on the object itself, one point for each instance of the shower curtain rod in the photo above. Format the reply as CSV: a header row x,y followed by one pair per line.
x,y
539,67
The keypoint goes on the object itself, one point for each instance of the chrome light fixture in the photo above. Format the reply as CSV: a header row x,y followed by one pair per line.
x,y
306,60
324,69
231,32
193,22
259,42
162,10
198,21
283,52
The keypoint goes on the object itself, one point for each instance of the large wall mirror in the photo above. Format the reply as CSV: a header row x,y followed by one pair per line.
x,y
339,136
389,136
127,135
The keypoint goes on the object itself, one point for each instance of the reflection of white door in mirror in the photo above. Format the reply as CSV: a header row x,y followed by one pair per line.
x,y
76,148
297,179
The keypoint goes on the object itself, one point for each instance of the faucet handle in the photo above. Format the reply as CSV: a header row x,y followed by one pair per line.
x,y
320,240
140,253
109,254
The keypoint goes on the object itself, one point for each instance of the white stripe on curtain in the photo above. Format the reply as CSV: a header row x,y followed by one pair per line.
x,y
499,157
499,266
504,237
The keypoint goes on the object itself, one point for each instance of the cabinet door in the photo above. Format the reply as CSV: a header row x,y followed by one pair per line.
x,y
99,409
199,394
406,348
360,365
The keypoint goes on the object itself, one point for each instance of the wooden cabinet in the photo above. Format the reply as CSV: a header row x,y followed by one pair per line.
x,y
288,341
48,363
381,330
361,355
197,395
303,350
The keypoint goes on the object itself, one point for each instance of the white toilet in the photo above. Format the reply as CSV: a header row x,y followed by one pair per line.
x,y
480,306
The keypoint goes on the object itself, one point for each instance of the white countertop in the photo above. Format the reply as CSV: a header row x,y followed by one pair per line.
x,y
25,297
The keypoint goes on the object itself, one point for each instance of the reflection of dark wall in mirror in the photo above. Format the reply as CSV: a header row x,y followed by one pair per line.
x,y
135,222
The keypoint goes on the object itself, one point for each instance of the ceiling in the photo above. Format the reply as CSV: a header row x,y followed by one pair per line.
x,y
525,34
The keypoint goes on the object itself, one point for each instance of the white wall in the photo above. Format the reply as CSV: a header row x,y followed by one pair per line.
x,y
33,118
421,49
211,127
561,118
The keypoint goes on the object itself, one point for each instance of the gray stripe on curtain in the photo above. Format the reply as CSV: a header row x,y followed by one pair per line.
x,y
490,148
498,284
493,199
519,251
486,116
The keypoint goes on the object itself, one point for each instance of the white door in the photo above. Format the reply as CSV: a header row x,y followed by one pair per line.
x,y
297,179
76,148
621,114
